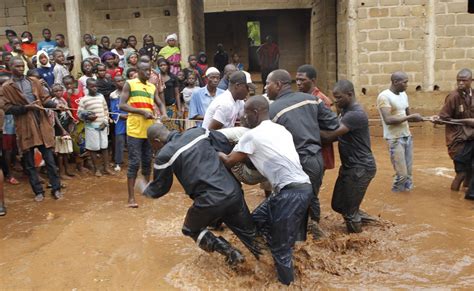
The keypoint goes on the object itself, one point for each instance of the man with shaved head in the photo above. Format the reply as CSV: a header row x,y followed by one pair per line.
x,y
394,110
460,139
282,217
358,163
192,156
303,115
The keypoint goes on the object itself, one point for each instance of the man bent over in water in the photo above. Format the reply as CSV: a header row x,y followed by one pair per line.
x,y
192,156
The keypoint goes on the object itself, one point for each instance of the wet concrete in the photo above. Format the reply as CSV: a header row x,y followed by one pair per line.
x,y
90,240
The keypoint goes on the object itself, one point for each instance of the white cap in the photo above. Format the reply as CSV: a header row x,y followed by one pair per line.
x,y
172,36
212,70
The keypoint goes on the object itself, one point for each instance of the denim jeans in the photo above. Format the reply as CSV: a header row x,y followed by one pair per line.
x,y
48,157
119,147
139,152
401,156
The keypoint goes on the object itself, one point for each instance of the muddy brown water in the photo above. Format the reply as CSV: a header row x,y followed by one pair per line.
x,y
90,240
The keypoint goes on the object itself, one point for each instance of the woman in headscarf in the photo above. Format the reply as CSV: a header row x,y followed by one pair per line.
x,y
44,67
131,60
149,48
172,53
109,60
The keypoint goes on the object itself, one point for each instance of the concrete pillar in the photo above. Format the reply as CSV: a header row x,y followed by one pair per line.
x,y
74,32
430,47
352,57
185,28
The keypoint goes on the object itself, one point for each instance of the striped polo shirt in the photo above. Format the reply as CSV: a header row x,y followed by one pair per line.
x,y
141,97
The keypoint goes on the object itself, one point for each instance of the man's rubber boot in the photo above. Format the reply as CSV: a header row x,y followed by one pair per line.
x,y
353,227
467,180
469,196
366,218
458,180
316,230
210,243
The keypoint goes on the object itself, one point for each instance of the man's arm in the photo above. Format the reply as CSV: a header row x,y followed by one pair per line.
x,y
331,136
161,184
327,119
193,105
466,121
390,119
233,158
159,101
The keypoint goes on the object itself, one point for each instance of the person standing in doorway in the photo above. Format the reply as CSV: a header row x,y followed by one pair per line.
x,y
268,57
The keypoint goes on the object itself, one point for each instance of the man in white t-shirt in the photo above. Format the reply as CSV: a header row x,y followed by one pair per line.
x,y
227,107
283,216
393,108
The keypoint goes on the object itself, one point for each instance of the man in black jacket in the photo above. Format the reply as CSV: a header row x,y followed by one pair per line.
x,y
192,156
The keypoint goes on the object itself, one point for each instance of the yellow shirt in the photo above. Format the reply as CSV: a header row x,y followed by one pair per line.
x,y
141,97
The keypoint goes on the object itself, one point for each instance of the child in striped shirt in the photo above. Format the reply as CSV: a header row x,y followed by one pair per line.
x,y
93,110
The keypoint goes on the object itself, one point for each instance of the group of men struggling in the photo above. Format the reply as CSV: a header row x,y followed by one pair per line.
x,y
281,139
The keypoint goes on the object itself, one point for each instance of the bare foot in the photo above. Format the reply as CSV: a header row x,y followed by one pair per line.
x,y
70,174
132,204
98,173
65,177
108,172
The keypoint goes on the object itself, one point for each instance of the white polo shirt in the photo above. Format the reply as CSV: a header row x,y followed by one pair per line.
x,y
224,109
271,149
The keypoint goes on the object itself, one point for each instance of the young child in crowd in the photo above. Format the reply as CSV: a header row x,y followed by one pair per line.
x,y
111,69
193,69
105,86
187,93
44,67
132,73
60,69
236,62
87,69
64,125
202,67
120,120
94,112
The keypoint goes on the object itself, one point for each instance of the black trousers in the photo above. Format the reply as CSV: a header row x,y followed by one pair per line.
x,y
282,219
48,157
349,191
235,214
313,167
464,162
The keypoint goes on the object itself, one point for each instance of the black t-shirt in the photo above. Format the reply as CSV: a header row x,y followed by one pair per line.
x,y
169,92
354,146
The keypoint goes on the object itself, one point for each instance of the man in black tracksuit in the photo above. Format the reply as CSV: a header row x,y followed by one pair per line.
x,y
303,115
192,157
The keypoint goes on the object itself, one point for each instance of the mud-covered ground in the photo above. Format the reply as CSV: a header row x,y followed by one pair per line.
x,y
90,240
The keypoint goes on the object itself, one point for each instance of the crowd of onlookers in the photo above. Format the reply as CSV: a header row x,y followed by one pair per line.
x,y
104,69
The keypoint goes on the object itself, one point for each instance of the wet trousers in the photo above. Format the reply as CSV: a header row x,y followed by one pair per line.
x,y
349,191
235,214
281,219
401,156
313,167
464,162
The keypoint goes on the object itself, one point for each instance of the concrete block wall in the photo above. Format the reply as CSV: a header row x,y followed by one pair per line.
x,y
198,25
391,38
323,43
121,22
242,5
454,43
12,16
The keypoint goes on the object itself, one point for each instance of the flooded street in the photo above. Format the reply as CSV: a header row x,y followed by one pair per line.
x,y
90,240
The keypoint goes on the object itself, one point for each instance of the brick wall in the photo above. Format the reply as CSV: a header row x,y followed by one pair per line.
x,y
122,21
323,43
12,16
241,5
455,41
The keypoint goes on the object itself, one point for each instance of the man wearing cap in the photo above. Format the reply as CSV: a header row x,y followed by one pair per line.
x,y
224,110
202,97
